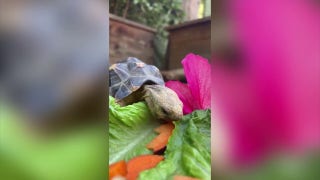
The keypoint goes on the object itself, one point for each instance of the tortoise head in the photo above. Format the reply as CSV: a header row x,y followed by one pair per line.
x,y
163,102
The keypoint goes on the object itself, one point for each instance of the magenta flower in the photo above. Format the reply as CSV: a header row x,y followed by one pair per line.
x,y
196,93
273,102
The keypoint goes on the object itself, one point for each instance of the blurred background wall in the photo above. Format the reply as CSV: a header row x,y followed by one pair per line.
x,y
165,21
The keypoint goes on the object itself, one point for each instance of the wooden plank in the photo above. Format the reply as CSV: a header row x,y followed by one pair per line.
x,y
190,37
189,23
131,23
175,74
129,39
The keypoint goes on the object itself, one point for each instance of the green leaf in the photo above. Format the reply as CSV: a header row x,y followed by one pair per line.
x,y
188,152
131,128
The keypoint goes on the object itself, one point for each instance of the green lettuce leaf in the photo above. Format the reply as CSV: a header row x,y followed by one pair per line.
x,y
131,128
188,151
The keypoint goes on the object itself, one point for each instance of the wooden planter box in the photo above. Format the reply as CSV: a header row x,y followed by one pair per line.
x,y
189,37
128,38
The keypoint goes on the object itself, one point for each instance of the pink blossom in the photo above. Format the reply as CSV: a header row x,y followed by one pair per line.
x,y
196,93
273,102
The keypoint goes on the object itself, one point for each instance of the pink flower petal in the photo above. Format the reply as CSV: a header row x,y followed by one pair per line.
x,y
184,94
282,57
198,74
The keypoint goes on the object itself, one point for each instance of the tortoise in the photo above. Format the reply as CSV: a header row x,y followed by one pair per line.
x,y
132,80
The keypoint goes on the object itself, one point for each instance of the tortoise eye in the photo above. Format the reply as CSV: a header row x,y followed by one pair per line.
x,y
164,111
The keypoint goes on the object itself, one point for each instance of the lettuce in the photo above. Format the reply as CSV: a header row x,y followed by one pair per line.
x,y
188,151
131,128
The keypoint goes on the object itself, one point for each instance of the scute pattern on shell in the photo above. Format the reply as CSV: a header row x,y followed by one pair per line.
x,y
129,75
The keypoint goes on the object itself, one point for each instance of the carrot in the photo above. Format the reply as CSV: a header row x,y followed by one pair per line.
x,y
117,169
159,142
162,139
140,163
165,128
184,178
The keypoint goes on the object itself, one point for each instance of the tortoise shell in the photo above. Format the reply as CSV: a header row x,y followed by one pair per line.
x,y
129,75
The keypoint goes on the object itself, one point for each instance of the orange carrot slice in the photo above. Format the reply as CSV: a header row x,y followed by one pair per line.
x,y
162,139
168,127
159,142
184,178
117,169
141,163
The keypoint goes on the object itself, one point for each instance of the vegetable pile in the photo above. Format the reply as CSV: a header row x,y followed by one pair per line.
x,y
142,148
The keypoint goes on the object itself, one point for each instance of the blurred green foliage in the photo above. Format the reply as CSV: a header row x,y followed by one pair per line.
x,y
153,13
26,154
207,7
281,167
